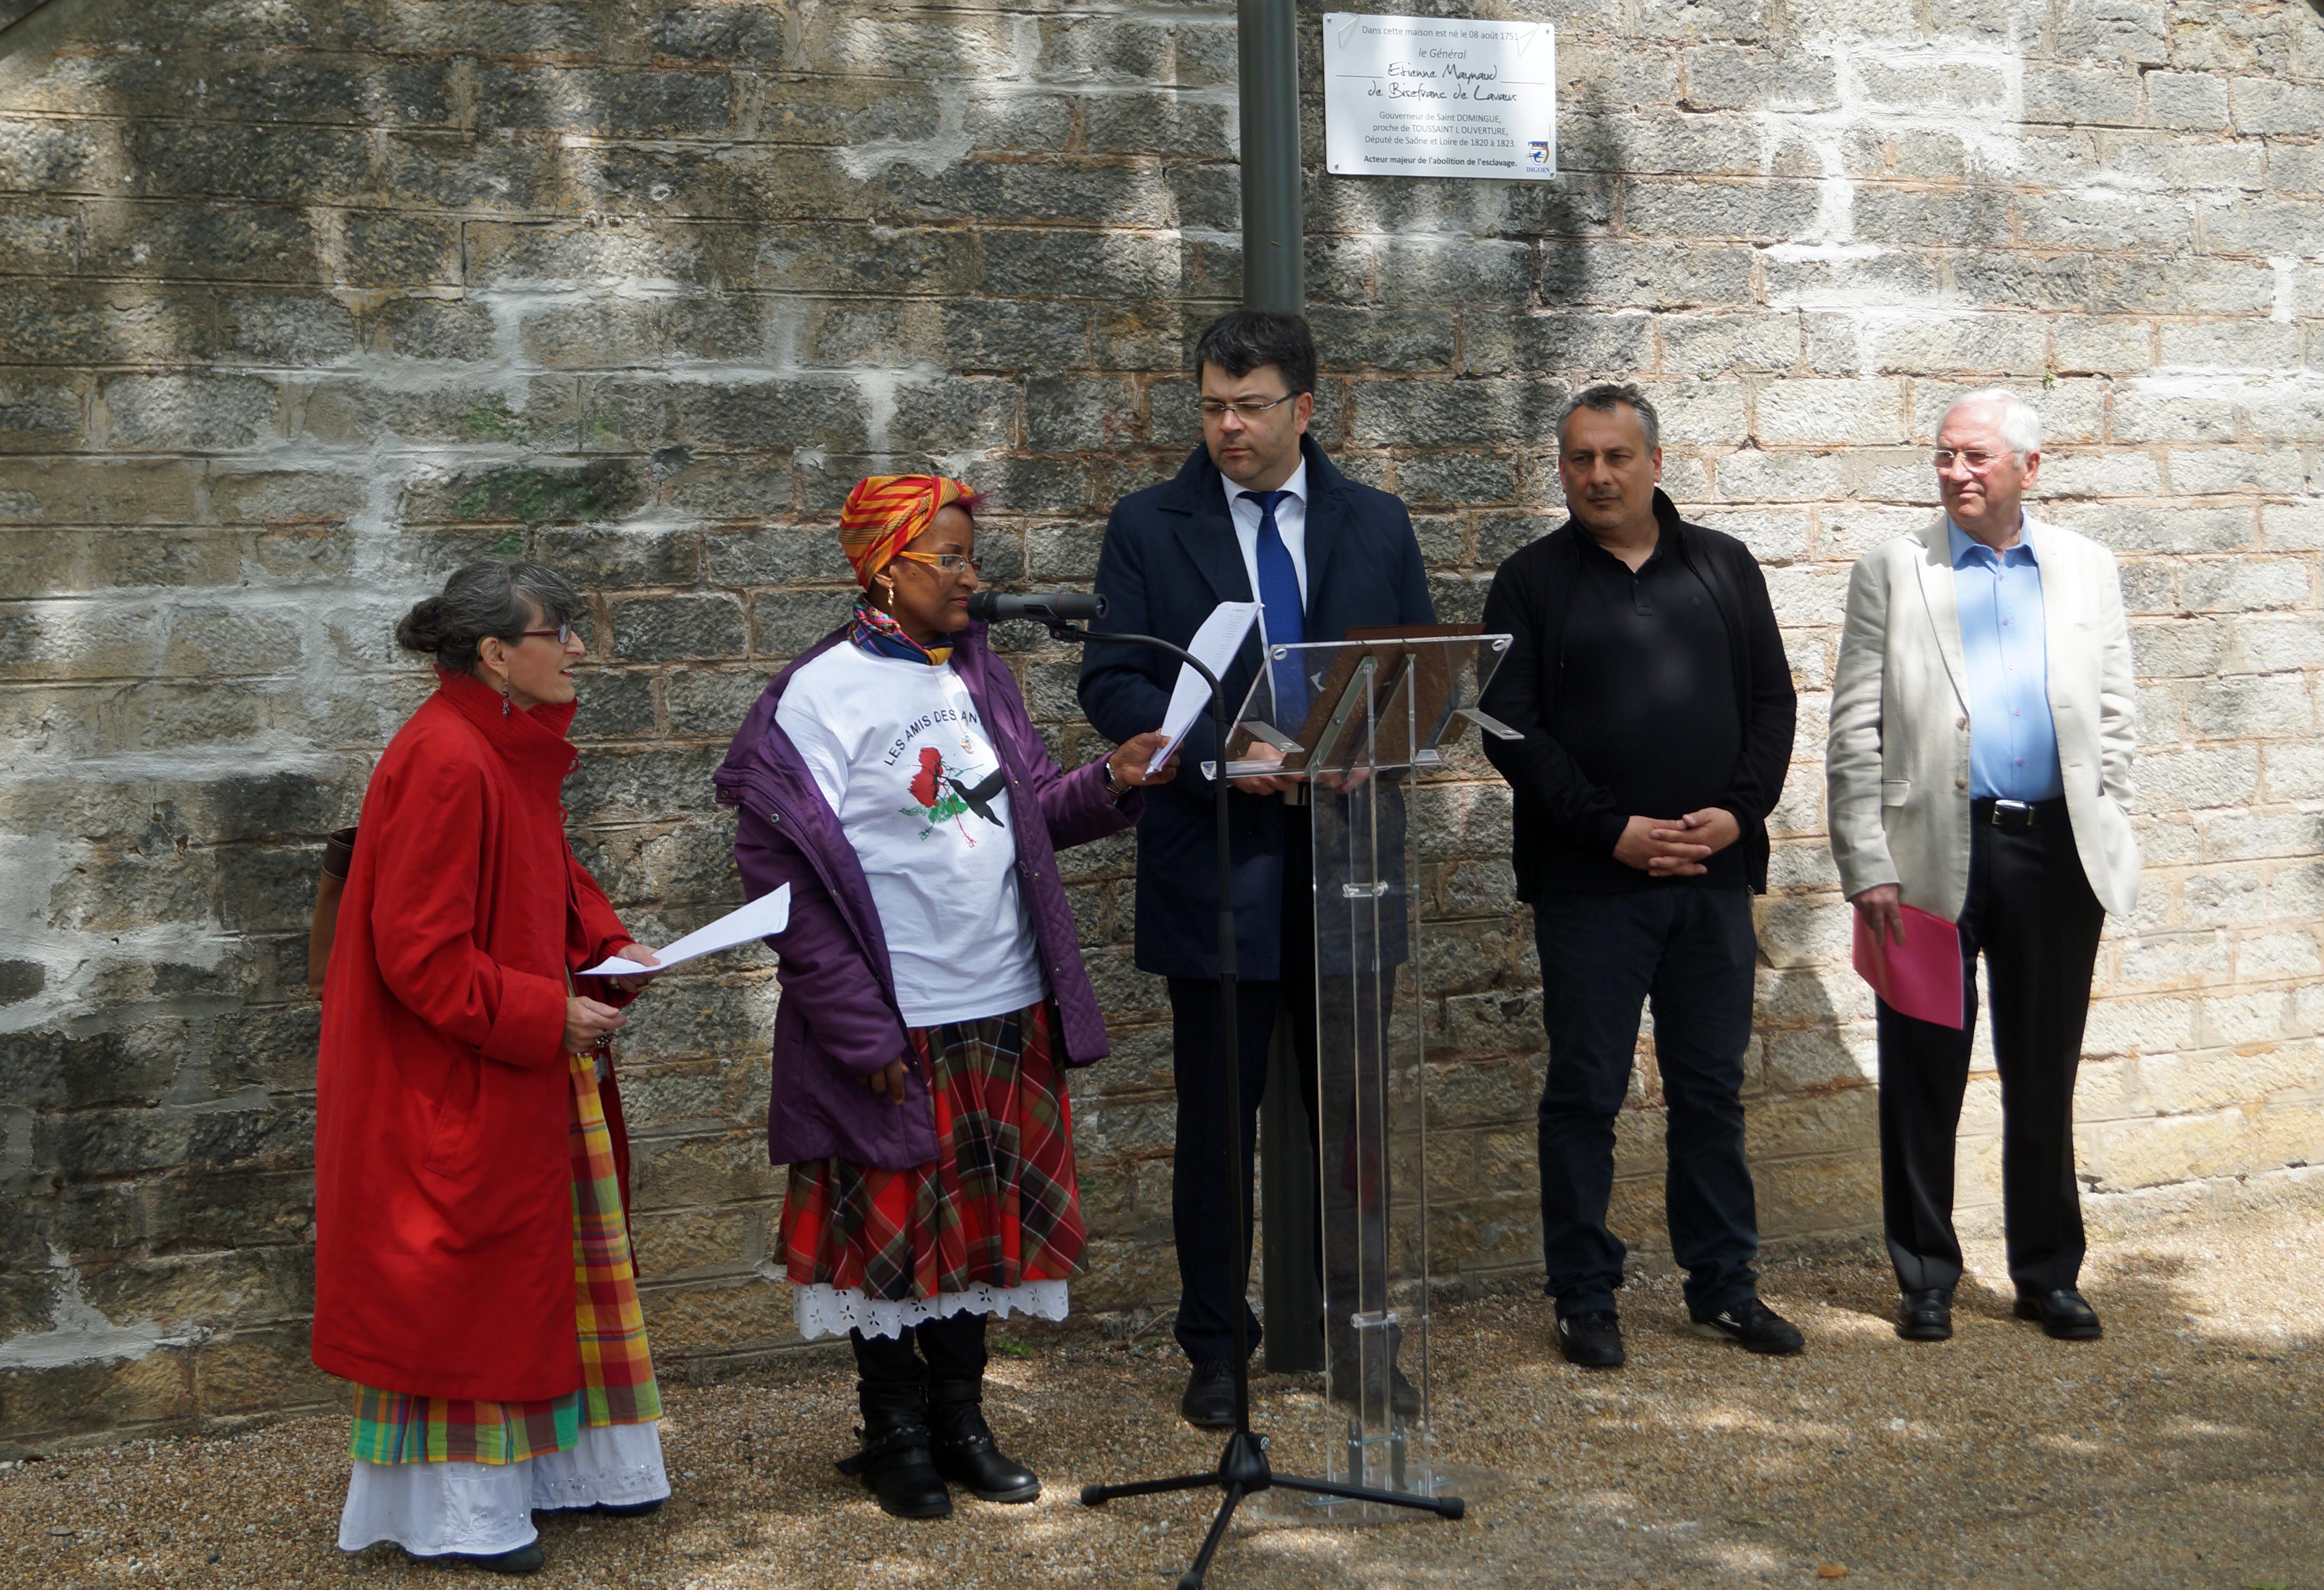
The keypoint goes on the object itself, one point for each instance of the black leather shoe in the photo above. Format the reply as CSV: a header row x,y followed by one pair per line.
x,y
1926,1316
1403,1396
2063,1314
1754,1326
965,1452
524,1559
1592,1340
1209,1403
897,1464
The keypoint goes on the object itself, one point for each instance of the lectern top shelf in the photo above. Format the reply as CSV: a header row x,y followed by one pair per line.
x,y
1379,700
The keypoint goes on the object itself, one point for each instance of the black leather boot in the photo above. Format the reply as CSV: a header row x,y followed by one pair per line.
x,y
966,1451
896,1463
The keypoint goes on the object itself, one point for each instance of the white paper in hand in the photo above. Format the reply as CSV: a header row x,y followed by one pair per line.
x,y
1216,644
767,915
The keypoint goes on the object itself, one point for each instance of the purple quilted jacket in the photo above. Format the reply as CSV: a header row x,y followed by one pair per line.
x,y
838,1020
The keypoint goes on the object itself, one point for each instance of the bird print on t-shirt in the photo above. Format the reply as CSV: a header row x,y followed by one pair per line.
x,y
943,796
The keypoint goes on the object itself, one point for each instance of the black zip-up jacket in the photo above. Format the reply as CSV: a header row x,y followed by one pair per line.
x,y
1555,801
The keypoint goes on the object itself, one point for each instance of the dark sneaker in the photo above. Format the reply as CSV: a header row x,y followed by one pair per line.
x,y
1592,1340
1754,1326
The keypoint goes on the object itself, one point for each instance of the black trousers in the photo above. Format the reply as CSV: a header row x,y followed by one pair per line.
x,y
2031,912
1213,1259
1691,952
951,1350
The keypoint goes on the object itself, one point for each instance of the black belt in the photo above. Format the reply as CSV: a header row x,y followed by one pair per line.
x,y
2018,814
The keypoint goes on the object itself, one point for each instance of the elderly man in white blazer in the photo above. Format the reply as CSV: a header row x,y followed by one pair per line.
x,y
1978,769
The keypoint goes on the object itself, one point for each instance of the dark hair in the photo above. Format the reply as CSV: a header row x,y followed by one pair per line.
x,y
1605,398
1242,340
488,599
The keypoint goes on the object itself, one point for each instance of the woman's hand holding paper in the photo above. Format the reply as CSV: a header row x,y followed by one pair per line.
x,y
638,954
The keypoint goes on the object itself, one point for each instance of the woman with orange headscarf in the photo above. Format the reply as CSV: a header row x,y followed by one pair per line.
x,y
933,990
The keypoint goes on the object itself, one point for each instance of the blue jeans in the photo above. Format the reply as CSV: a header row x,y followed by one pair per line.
x,y
1691,952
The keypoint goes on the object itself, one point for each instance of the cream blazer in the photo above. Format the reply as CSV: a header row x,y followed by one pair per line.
x,y
1896,763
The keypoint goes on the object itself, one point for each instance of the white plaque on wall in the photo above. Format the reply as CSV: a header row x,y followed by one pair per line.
x,y
1439,96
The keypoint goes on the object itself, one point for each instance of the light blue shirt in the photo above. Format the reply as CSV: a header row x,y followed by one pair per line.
x,y
2013,746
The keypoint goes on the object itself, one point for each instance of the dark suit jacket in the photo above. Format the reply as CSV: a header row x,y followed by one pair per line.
x,y
1170,557
1555,802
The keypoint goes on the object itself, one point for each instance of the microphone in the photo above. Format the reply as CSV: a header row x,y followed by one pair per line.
x,y
1036,606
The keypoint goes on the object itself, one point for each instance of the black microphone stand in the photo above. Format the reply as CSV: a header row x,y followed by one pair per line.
x,y
1242,1469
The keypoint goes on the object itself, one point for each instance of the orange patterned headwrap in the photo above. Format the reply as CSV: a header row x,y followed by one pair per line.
x,y
885,512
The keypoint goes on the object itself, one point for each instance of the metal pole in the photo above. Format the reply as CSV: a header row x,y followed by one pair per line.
x,y
1275,277
1274,274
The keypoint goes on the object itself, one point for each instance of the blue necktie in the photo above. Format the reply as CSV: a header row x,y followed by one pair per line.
x,y
1286,619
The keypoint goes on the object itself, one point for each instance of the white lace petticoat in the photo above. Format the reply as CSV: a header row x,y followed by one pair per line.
x,y
821,1311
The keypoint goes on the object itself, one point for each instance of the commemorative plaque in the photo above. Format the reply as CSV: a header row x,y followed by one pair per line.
x,y
1439,96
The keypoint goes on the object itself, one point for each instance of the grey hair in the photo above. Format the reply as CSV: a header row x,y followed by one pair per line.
x,y
2021,422
486,598
1604,398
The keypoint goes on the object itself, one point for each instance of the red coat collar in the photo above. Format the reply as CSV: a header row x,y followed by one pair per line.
x,y
530,740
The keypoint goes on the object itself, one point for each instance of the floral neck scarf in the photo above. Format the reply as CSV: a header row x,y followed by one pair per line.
x,y
876,633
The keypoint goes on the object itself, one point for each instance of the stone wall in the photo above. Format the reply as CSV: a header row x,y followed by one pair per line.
x,y
308,300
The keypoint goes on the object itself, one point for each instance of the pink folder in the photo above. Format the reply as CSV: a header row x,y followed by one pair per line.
x,y
1921,976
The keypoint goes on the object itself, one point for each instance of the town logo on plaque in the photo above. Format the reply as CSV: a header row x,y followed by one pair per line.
x,y
1439,96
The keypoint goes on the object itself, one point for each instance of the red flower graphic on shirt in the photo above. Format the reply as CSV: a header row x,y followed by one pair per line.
x,y
924,783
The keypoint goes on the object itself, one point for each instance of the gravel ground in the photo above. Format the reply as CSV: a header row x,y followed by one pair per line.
x,y
2183,1451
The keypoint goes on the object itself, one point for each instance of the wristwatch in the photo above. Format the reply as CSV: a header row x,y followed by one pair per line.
x,y
1114,786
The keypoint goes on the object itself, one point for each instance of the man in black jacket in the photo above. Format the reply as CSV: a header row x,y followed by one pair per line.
x,y
1648,681
1257,512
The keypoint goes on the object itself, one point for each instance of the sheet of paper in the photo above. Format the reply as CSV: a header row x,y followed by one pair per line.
x,y
763,917
1216,644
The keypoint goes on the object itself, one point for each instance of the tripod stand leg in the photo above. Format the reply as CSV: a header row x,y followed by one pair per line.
x,y
1443,1506
1192,1579
1099,1495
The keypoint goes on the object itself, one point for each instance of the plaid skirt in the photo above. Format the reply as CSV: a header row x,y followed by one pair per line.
x,y
617,1378
997,1206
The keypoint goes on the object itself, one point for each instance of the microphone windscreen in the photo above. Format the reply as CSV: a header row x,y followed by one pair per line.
x,y
1036,606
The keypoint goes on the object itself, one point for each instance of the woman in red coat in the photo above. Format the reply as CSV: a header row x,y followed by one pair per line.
x,y
472,1263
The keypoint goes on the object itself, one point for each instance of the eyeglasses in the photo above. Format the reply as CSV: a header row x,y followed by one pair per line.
x,y
1244,408
1978,460
946,562
566,634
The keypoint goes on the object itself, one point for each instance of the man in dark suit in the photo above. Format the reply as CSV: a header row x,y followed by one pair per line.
x,y
1258,511
1647,681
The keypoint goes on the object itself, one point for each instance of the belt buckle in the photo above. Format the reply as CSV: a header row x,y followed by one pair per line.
x,y
2013,814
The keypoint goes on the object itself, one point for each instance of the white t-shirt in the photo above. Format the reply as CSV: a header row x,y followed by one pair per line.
x,y
898,750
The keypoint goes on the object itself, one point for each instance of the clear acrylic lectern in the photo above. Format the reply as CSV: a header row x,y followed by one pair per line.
x,y
1356,721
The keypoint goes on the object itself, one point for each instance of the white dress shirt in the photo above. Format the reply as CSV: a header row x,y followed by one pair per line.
x,y
1290,519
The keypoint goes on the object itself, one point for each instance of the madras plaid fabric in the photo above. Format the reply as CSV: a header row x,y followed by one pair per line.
x,y
997,1204
617,1379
